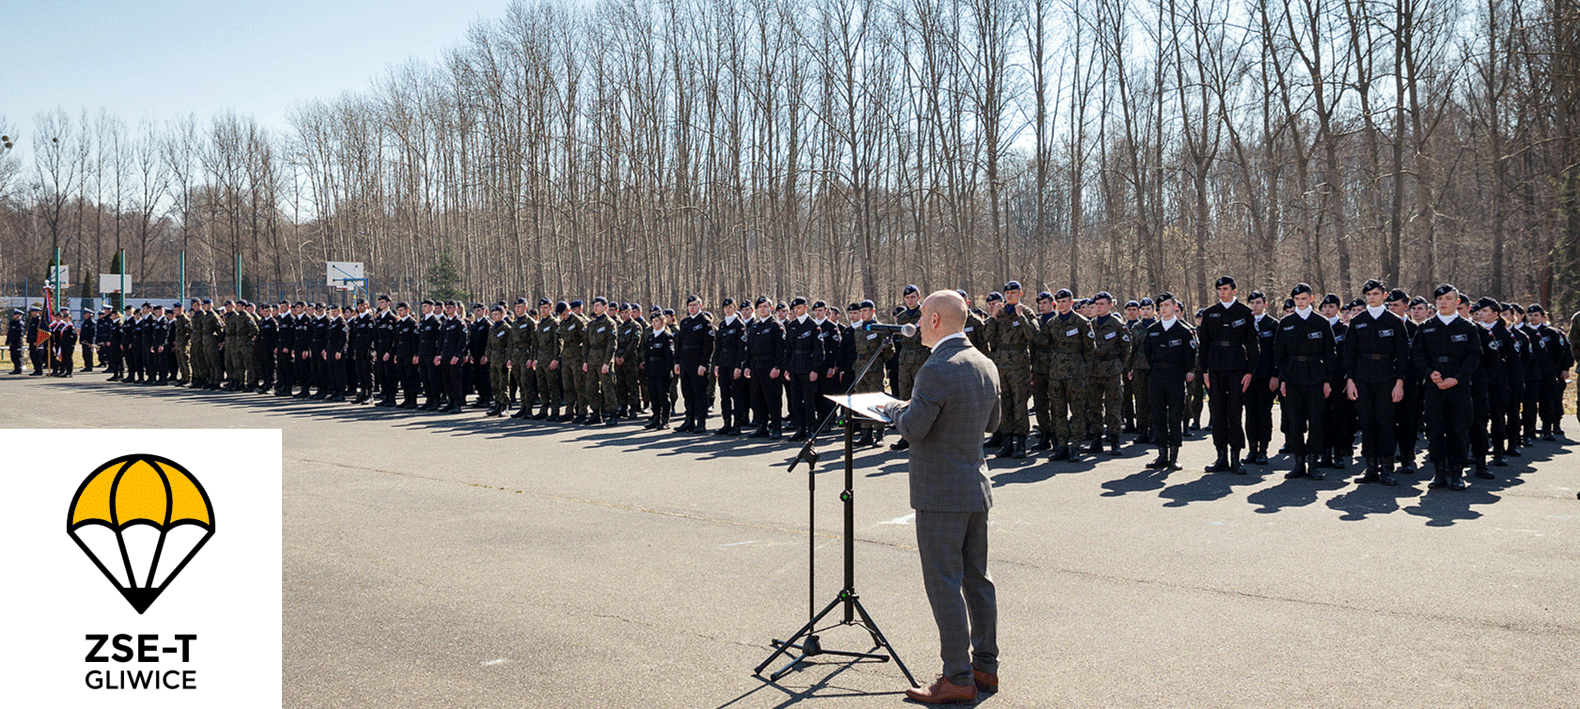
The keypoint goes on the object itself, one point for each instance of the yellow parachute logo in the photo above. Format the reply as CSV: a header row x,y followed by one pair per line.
x,y
140,518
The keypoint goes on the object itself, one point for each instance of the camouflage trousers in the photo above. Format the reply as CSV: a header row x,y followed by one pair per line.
x,y
1014,381
183,364
1140,386
526,381
548,386
241,365
907,378
1066,410
499,381
596,389
629,391
1103,401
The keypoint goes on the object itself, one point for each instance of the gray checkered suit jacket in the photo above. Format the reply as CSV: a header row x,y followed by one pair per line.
x,y
954,400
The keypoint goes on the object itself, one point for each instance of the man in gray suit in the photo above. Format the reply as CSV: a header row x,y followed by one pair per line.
x,y
954,400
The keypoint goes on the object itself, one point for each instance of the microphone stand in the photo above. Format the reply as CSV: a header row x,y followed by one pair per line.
x,y
810,646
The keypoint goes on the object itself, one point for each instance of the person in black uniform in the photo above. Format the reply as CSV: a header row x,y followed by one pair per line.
x,y
1406,416
158,331
1375,353
384,364
1448,351
765,351
1228,357
15,330
316,344
729,344
359,348
428,327
1516,363
108,335
1497,360
804,360
264,347
452,356
1338,434
847,344
828,371
66,340
1556,360
694,352
1170,349
658,365
1259,397
1306,364
406,366
87,336
475,374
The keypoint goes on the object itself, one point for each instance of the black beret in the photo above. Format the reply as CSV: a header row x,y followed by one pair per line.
x,y
994,297
1012,285
669,311
1443,290
1199,311
600,299
561,307
819,304
1223,281
520,301
761,299
1257,295
727,301
1488,302
1045,295
962,293
228,302
1084,302
1418,300
1535,308
910,289
781,306
868,304
497,309
899,309
1165,295
207,301
1517,307
798,300
1507,308
1300,288
854,305
360,301
544,301
1102,295
384,297
300,304
1357,303
1062,294
576,304
403,304
1372,285
194,300
1396,295
834,309
693,299
1131,304
477,306
1147,302
334,306
425,301
1331,299
1289,303
656,309
1464,299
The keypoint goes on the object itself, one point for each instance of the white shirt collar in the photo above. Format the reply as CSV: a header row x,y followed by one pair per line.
x,y
802,318
1168,323
1304,313
946,338
1449,320
1333,320
1377,311
729,319
818,321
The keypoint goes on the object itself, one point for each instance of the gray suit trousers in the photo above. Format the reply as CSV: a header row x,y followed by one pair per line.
x,y
954,550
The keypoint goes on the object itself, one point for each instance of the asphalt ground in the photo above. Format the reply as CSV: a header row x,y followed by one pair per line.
x,y
462,561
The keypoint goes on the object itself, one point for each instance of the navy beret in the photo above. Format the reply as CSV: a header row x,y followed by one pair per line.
x,y
600,299
1045,295
1062,294
868,304
994,297
497,309
1330,299
545,301
910,289
561,307
1224,281
520,301
576,303
1012,285
207,301
1147,302
1102,295
1128,304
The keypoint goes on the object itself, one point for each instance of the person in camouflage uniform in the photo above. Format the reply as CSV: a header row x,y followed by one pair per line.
x,y
598,365
546,362
1110,350
1041,364
1140,371
1011,333
496,356
573,351
1066,338
522,376
628,361
976,323
181,338
912,352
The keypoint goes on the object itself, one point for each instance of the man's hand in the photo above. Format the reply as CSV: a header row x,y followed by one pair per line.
x,y
337,355
1190,377
1398,391
1206,380
702,370
773,373
677,370
604,369
584,366
1283,390
1245,383
1350,390
1448,383
811,376
737,374
455,360
554,364
437,360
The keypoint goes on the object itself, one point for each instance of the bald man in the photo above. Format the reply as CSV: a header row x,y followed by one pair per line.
x,y
954,400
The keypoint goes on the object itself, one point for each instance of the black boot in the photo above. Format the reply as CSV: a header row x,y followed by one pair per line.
x,y
1456,478
1008,448
1481,470
865,439
492,410
1174,458
611,420
1234,462
1371,475
1020,446
1385,471
1407,466
1096,446
1439,476
776,431
1221,464
1113,446
593,419
1312,469
652,423
761,432
1299,471
997,439
1074,452
1160,462
686,427
1060,452
1044,442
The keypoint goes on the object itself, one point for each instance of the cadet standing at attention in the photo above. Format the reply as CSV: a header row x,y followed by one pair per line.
x,y
1448,351
1110,349
1170,350
1011,333
1229,358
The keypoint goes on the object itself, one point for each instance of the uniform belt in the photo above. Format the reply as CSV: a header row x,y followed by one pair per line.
x,y
1304,358
1441,360
1225,343
1377,357
1168,364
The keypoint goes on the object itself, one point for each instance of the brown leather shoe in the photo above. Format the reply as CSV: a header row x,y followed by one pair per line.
x,y
944,692
987,682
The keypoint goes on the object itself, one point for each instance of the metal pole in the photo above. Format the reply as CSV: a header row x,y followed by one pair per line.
x,y
238,275
181,289
121,297
55,294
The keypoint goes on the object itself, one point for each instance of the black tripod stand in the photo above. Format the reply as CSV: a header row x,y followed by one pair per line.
x,y
811,646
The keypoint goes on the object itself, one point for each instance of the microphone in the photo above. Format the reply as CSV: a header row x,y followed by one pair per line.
x,y
907,330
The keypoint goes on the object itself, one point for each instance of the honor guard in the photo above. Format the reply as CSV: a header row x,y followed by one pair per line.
x,y
803,363
659,365
1338,431
1259,398
828,369
1375,352
1490,392
474,374
1407,413
765,353
694,352
407,371
1307,363
730,344
1448,350
1229,358
496,356
15,330
1170,351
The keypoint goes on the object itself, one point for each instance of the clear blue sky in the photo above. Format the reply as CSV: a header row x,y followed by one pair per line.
x,y
172,57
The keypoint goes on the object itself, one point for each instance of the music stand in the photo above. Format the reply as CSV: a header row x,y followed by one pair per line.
x,y
847,597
